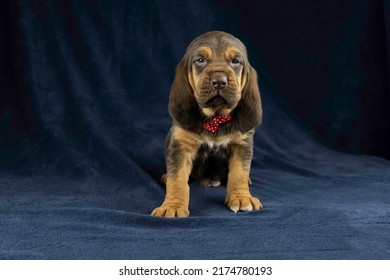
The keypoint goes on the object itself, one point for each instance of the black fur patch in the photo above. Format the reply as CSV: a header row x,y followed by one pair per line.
x,y
211,163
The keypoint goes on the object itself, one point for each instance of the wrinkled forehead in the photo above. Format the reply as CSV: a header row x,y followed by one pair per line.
x,y
217,44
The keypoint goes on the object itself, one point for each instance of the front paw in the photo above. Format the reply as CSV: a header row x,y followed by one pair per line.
x,y
243,203
171,210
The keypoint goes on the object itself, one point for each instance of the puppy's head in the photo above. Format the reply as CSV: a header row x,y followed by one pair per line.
x,y
214,77
216,63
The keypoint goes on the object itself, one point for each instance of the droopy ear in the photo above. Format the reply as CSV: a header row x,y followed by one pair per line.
x,y
249,112
182,106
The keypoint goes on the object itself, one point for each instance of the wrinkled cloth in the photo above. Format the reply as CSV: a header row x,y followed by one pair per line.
x,y
83,119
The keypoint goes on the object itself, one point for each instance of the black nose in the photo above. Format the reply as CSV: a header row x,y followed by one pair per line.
x,y
218,81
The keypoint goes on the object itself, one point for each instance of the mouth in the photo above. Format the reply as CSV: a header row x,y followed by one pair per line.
x,y
216,101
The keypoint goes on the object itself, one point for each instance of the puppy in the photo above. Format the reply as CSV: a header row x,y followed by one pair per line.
x,y
215,106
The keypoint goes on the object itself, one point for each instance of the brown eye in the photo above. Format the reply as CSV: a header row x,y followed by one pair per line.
x,y
235,61
200,61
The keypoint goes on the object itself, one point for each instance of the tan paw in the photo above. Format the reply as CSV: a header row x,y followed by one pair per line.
x,y
243,203
171,211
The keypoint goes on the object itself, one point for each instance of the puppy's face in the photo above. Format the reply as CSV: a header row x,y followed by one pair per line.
x,y
215,78
216,73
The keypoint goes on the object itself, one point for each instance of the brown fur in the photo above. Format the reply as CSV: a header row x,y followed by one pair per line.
x,y
194,99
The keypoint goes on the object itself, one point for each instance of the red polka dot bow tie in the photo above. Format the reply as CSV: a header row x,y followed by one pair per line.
x,y
212,126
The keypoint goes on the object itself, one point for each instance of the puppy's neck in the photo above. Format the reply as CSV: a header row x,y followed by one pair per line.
x,y
211,113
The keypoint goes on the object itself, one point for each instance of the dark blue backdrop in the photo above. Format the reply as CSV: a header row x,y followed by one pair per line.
x,y
83,117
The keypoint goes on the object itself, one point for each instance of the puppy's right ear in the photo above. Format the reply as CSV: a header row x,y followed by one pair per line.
x,y
183,107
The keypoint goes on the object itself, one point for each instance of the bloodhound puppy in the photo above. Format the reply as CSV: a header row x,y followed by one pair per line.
x,y
215,106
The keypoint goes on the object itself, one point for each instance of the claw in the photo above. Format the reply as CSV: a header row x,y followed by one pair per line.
x,y
243,203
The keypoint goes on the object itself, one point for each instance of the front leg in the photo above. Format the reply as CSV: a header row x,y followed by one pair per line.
x,y
181,150
238,196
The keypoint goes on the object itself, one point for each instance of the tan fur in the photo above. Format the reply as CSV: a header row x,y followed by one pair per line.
x,y
230,53
177,196
193,140
194,100
238,196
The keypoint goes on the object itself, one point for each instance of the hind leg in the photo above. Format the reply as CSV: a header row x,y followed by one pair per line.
x,y
210,183
163,179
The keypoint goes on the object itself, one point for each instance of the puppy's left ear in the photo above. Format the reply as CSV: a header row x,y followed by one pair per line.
x,y
249,112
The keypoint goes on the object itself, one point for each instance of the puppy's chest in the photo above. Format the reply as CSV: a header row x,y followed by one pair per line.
x,y
219,147
206,152
215,143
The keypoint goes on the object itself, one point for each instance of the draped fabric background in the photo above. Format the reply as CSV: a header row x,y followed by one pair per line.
x,y
84,88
